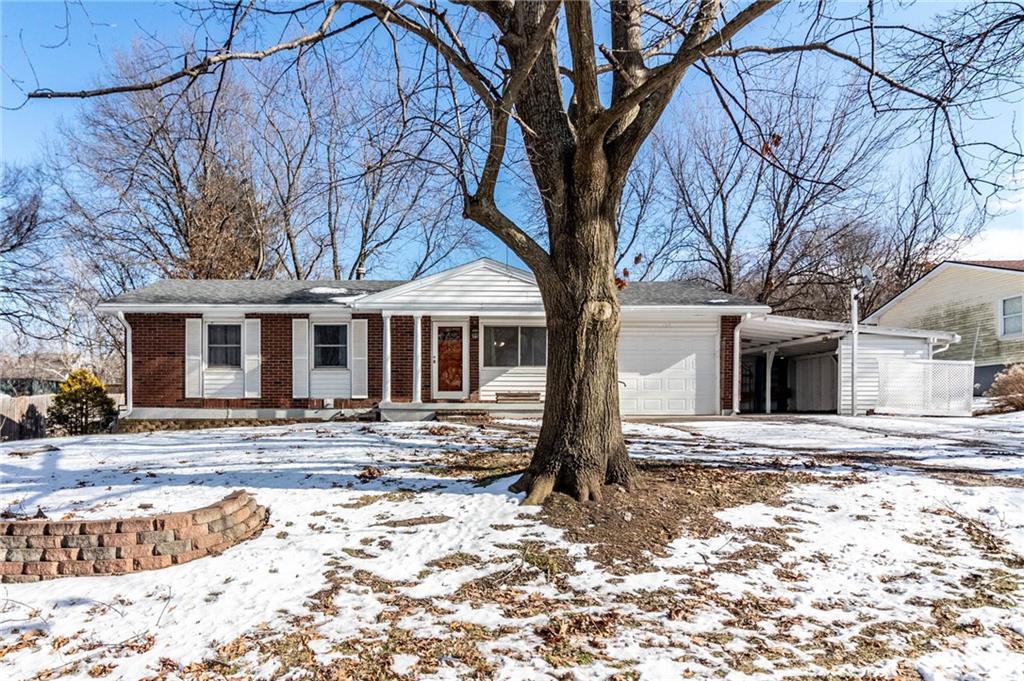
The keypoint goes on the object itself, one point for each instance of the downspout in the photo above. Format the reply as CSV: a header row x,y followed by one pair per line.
x,y
737,362
127,363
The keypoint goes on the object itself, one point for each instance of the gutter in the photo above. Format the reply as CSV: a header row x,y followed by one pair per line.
x,y
127,363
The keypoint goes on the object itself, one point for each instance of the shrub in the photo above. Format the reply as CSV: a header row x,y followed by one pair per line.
x,y
1007,391
82,405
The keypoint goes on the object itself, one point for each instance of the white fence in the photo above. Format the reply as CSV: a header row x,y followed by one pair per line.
x,y
925,387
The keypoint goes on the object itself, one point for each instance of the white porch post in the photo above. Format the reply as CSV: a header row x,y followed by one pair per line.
x,y
417,361
769,358
386,342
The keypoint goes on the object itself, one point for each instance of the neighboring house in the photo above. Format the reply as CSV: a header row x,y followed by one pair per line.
x,y
469,338
23,386
981,300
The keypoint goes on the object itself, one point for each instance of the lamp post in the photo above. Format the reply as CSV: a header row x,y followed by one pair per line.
x,y
855,329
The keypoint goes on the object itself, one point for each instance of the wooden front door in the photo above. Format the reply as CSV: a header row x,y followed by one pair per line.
x,y
450,355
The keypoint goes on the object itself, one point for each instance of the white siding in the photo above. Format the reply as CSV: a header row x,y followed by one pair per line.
x,y
485,286
870,350
223,383
330,383
494,380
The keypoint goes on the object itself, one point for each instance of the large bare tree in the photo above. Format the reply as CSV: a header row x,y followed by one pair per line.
x,y
29,277
581,121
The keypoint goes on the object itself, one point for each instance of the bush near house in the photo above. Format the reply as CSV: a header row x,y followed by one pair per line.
x,y
82,405
1007,391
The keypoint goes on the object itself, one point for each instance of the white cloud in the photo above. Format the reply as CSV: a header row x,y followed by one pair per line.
x,y
1004,241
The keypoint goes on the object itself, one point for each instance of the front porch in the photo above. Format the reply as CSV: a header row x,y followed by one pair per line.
x,y
432,362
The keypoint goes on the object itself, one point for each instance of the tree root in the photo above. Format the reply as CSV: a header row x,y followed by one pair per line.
x,y
539,487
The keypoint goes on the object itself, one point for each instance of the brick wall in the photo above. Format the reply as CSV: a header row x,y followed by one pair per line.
x,y
158,360
427,379
276,361
401,359
727,353
158,364
44,549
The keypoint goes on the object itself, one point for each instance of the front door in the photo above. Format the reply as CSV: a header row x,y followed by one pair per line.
x,y
451,360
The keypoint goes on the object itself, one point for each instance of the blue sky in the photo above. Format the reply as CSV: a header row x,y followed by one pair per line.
x,y
100,29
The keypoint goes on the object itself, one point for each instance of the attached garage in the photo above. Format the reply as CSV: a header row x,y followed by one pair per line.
x,y
669,369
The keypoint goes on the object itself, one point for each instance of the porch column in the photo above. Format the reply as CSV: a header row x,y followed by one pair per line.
x,y
769,357
417,361
386,378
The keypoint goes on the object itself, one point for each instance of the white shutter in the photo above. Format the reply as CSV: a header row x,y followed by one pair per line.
x,y
193,357
360,384
300,358
251,338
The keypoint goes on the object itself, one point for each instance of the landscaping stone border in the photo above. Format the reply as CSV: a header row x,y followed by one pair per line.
x,y
33,550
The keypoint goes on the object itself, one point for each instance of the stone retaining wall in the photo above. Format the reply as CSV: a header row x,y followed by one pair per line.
x,y
45,549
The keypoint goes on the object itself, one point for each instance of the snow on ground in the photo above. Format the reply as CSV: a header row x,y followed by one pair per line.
x,y
896,552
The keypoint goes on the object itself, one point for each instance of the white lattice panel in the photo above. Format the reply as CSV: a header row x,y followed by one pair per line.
x,y
925,387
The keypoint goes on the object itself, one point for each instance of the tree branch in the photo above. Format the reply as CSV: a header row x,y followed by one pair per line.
x,y
323,32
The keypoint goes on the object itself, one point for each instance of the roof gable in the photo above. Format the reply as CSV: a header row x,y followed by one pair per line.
x,y
481,284
947,266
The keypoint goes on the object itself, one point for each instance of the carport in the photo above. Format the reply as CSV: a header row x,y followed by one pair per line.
x,y
786,364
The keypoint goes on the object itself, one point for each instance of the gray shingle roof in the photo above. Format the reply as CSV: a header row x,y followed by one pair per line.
x,y
249,292
676,293
288,292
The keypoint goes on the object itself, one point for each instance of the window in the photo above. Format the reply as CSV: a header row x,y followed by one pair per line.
x,y
224,345
330,346
510,346
1012,316
533,346
501,346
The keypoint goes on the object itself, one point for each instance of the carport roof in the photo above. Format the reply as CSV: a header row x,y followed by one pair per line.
x,y
766,332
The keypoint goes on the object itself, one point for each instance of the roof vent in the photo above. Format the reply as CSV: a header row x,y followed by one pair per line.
x,y
360,272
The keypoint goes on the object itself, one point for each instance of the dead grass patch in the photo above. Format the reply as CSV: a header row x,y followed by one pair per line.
x,y
481,467
413,522
454,561
627,528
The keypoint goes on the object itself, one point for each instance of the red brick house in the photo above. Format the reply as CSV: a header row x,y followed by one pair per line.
x,y
471,337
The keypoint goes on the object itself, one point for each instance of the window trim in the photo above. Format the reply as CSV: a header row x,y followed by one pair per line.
x,y
241,345
519,345
312,346
1002,317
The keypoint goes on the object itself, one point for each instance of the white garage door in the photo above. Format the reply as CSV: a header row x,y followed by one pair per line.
x,y
668,370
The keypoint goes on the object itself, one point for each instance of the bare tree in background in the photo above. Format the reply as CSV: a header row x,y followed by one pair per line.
x,y
394,197
165,185
581,147
790,225
764,221
649,233
29,273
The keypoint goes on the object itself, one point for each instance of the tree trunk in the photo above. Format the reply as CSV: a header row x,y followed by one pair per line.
x,y
580,447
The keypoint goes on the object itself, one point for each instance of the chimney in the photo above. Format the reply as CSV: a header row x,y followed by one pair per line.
x,y
360,272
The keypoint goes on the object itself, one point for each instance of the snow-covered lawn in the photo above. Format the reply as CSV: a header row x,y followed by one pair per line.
x,y
892,548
